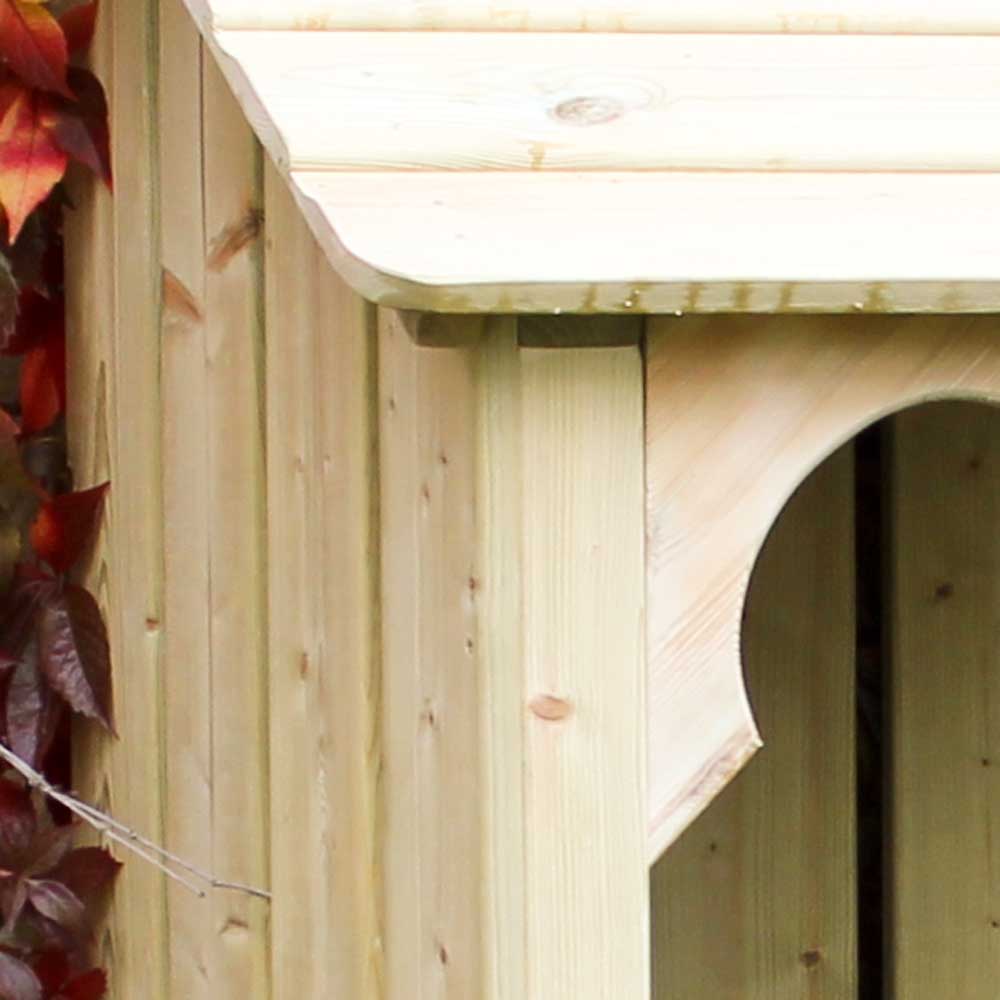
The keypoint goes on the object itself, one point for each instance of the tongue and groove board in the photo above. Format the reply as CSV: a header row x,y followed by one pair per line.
x,y
757,900
833,16
945,624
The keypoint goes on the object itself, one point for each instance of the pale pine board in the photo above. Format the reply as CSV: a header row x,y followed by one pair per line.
x,y
835,16
113,283
757,899
187,647
322,574
234,432
430,827
945,696
495,101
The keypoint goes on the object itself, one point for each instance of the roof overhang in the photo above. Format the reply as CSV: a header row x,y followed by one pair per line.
x,y
651,163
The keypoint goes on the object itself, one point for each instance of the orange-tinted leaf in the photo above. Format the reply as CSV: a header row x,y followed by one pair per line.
x,y
33,45
43,384
81,126
78,25
74,654
65,524
31,161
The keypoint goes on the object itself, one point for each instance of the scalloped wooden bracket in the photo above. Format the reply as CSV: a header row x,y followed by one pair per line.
x,y
739,411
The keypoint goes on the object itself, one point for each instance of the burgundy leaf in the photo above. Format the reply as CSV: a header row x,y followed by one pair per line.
x,y
53,969
65,525
88,871
74,653
17,980
32,711
81,126
54,900
18,822
48,851
13,897
19,609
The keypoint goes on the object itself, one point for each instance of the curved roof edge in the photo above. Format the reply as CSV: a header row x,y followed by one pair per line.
x,y
688,173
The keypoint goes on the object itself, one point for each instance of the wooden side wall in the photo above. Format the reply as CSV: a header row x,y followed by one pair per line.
x,y
376,608
223,380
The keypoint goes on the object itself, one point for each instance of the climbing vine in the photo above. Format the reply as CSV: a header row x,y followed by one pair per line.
x,y
54,658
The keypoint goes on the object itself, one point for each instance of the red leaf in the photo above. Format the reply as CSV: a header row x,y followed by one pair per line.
x,y
88,871
92,985
18,822
17,980
74,654
19,609
39,318
32,712
54,900
33,45
78,25
81,127
31,161
43,384
65,525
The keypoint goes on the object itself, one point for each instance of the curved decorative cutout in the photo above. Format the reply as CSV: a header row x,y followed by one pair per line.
x,y
740,411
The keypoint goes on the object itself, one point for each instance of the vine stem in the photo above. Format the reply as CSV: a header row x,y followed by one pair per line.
x,y
159,857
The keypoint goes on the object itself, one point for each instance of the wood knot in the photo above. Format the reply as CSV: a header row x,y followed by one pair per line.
x,y
943,591
811,958
550,708
588,110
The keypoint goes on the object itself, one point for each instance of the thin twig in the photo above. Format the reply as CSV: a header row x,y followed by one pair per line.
x,y
128,838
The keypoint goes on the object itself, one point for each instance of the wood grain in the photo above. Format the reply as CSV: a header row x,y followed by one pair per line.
x,y
945,736
757,900
518,242
833,16
187,587
583,592
739,411
494,101
237,557
322,574
113,289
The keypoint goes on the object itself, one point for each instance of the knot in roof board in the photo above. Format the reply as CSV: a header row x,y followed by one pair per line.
x,y
628,164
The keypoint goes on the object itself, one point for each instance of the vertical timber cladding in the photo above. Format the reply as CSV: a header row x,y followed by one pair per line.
x,y
945,624
513,825
757,900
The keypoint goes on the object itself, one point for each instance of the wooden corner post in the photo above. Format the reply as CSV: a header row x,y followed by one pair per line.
x,y
513,831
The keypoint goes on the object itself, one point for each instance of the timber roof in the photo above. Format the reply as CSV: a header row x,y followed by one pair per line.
x,y
647,156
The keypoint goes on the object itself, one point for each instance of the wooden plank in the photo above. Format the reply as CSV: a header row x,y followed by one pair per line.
x,y
945,736
441,101
430,792
583,590
234,429
757,901
739,411
324,681
517,242
184,380
113,290
834,16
